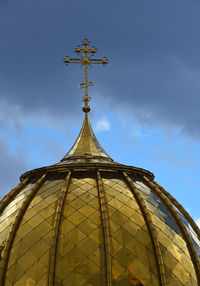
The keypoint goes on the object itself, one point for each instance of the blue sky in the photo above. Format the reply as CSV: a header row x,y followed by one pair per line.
x,y
145,102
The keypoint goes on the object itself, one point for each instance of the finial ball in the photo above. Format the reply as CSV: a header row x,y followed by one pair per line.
x,y
86,108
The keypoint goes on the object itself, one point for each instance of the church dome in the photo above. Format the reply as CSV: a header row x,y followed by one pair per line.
x,y
88,220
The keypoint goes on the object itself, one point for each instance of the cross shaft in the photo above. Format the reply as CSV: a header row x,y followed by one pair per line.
x,y
86,53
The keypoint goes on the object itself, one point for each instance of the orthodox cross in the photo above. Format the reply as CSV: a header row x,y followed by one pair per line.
x,y
86,53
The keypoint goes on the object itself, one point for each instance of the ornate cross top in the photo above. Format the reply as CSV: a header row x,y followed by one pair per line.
x,y
86,53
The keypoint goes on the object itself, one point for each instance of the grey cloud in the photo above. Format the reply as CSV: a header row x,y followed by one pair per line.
x,y
11,166
153,48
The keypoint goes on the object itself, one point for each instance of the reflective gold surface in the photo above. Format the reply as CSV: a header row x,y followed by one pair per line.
x,y
81,253
86,148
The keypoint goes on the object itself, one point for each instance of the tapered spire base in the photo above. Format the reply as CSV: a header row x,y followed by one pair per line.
x,y
86,148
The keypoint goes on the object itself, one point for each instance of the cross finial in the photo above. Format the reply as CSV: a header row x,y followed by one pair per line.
x,y
85,59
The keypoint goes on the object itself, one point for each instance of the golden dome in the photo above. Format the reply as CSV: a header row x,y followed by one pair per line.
x,y
88,220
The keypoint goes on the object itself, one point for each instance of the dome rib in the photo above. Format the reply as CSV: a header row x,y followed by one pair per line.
x,y
12,194
151,229
15,226
180,224
181,209
105,229
55,231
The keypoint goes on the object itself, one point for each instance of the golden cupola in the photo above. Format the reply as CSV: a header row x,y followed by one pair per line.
x,y
88,220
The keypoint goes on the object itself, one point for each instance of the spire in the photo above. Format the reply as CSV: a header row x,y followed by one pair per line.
x,y
86,148
86,53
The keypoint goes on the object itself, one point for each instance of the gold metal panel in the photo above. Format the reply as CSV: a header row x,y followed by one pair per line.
x,y
111,210
35,220
42,205
142,273
187,264
93,202
42,246
8,216
87,186
118,271
88,245
66,227
181,274
76,235
77,203
127,211
97,257
87,197
30,252
115,203
169,259
124,256
77,192
113,226
87,226
178,240
43,228
180,226
174,248
123,199
174,252
164,239
138,219
14,273
67,211
116,246
79,246
119,218
27,259
29,214
87,210
74,257
76,218
63,269
122,236
96,235
131,227
63,247
130,238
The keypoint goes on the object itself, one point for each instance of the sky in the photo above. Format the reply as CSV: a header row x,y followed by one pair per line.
x,y
145,103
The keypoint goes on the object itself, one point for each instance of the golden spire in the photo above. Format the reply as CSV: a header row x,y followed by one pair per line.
x,y
86,148
86,53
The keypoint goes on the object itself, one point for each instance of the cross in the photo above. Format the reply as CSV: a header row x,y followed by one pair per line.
x,y
86,53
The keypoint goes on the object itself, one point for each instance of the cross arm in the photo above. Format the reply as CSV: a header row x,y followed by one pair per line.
x,y
103,61
68,60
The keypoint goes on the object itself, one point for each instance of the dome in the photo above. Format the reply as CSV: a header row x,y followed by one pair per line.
x,y
88,220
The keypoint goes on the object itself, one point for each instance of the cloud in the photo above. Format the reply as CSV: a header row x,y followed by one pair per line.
x,y
153,72
102,125
11,166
